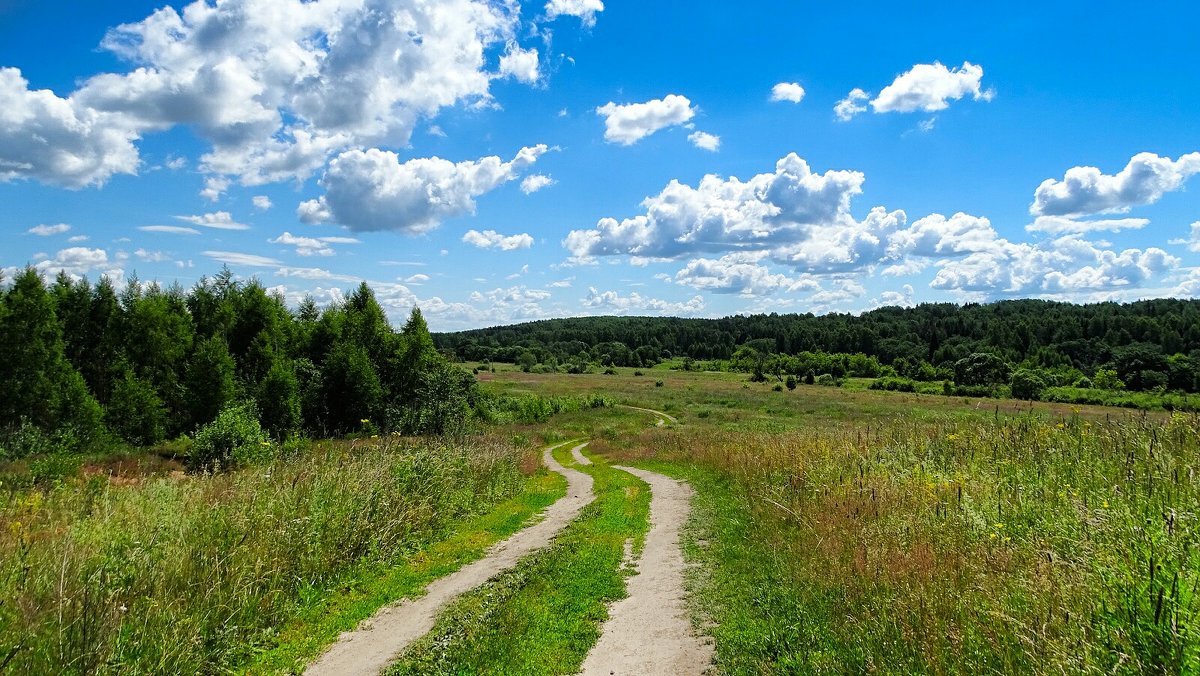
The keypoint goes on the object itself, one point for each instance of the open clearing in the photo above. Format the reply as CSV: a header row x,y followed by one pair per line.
x,y
371,647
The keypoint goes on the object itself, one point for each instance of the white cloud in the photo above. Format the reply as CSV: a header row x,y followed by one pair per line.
x,y
214,187
901,298
169,229
373,190
844,245
536,182
262,202
705,141
938,236
305,246
1059,225
739,273
244,259
726,214
930,87
151,256
853,104
787,91
77,238
585,10
627,124
519,273
220,220
520,64
490,239
417,279
1086,191
1065,265
1194,242
274,86
59,141
612,302
48,230
75,262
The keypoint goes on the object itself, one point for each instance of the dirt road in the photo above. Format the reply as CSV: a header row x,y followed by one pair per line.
x,y
663,416
378,641
650,632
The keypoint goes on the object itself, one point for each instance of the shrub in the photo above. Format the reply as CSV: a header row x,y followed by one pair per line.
x,y
658,383
894,385
791,382
1106,379
828,380
135,412
777,388
1027,385
234,438
610,371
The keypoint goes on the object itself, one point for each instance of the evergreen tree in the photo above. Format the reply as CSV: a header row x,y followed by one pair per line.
x,y
279,400
210,381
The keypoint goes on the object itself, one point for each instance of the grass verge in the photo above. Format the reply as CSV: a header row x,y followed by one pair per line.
x,y
364,592
543,616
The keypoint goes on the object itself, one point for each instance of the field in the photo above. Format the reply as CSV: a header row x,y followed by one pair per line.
x,y
832,530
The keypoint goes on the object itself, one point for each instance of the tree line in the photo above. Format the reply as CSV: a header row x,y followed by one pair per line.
x,y
85,364
1142,346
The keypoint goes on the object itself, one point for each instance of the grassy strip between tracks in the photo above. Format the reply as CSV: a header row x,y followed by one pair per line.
x,y
543,616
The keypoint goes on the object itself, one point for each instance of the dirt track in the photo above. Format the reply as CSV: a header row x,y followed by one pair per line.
x,y
650,632
378,641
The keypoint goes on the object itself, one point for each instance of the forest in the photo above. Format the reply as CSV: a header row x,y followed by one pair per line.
x,y
1023,348
86,366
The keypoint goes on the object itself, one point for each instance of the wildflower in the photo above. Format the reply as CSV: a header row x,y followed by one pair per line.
x,y
993,536
123,608
1000,526
1060,426
364,421
951,437
265,443
1105,505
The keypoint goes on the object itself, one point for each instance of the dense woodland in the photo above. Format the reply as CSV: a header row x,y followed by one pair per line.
x,y
83,365
1144,346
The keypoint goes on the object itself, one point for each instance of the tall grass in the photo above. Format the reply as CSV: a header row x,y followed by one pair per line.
x,y
965,545
191,574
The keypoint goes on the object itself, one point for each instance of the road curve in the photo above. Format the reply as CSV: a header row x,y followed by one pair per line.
x,y
649,632
666,416
378,641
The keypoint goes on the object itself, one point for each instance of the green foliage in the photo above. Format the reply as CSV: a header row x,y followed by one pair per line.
x,y
892,384
233,439
981,369
791,382
135,412
1107,379
350,388
210,380
1027,384
279,400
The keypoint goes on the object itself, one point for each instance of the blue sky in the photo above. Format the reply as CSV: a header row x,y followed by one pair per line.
x,y
500,162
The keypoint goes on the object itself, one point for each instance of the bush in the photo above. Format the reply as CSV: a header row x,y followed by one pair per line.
x,y
234,438
135,412
791,382
777,388
658,383
894,385
610,371
1027,385
638,373
828,380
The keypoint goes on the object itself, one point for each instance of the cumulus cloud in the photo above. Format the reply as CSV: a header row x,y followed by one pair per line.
x,y
490,239
520,64
274,86
726,214
372,189
1085,191
417,279
220,220
787,91
629,123
854,103
611,302
930,87
60,141
536,182
262,202
48,230
1065,265
705,141
585,10
148,256
76,262
740,273
1194,242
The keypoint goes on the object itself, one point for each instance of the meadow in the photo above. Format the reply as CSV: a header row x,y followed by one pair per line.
x,y
833,530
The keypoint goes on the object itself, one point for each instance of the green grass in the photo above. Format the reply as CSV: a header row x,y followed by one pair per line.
x,y
359,595
174,573
543,616
999,544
